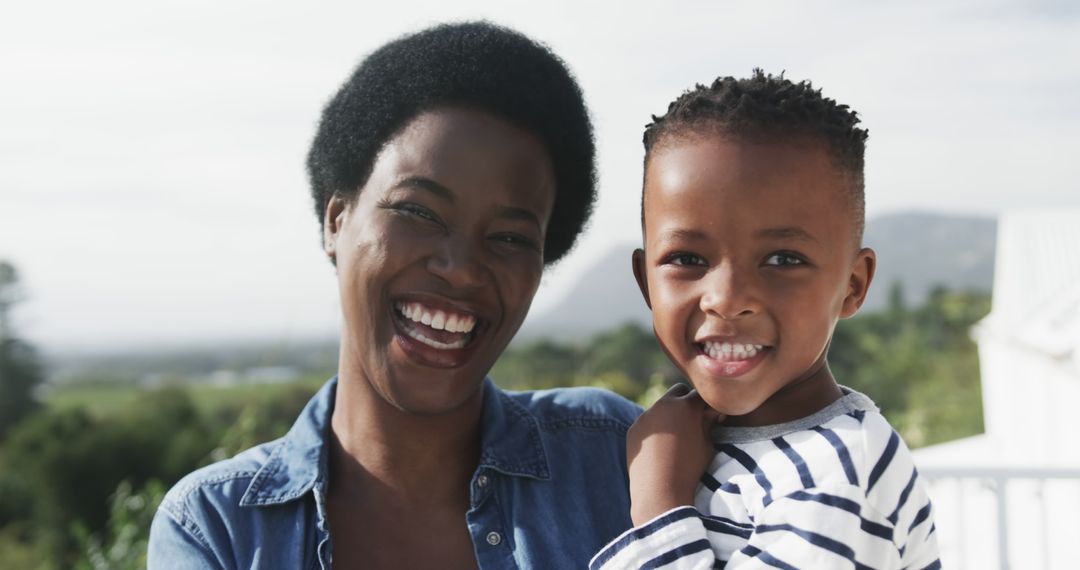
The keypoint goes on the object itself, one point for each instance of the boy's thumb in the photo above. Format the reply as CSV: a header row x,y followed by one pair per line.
x,y
677,391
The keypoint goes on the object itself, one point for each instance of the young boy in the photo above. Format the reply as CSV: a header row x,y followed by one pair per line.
x,y
752,214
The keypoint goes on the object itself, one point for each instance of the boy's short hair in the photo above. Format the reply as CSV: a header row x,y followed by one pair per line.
x,y
769,107
475,65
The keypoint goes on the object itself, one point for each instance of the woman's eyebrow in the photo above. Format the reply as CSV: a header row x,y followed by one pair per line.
x,y
514,213
507,212
421,183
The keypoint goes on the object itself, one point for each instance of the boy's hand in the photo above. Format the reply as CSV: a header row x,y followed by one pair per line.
x,y
667,450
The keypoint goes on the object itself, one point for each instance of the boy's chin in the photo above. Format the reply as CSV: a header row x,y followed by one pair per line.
x,y
731,405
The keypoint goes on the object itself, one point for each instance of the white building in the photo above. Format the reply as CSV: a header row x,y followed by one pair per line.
x,y
1010,498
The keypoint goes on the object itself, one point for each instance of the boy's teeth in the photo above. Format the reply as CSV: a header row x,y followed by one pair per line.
x,y
436,319
734,351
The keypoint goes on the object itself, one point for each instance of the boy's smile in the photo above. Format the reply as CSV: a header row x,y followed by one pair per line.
x,y
750,259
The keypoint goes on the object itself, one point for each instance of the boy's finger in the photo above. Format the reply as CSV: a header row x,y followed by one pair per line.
x,y
694,397
709,415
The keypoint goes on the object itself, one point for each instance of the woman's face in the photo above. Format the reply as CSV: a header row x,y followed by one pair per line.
x,y
439,256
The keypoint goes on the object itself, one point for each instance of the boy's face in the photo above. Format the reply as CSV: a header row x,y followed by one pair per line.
x,y
749,261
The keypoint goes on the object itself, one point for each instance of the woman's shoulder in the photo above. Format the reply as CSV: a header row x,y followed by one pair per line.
x,y
220,485
580,407
207,518
270,473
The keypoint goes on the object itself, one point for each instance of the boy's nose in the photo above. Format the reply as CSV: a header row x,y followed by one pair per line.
x,y
457,263
728,295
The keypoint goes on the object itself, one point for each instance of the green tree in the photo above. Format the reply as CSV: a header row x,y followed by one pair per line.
x,y
631,350
20,368
897,303
918,364
123,544
541,364
67,464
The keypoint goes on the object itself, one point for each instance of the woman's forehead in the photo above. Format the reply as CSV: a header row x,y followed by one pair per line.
x,y
463,149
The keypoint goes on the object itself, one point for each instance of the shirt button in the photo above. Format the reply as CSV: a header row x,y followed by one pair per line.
x,y
482,481
493,538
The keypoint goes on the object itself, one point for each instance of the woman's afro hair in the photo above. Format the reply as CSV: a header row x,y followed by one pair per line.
x,y
476,65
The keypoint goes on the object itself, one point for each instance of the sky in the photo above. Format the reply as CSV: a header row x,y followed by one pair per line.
x,y
152,185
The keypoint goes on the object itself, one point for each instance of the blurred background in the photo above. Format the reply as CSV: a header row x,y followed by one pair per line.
x,y
164,302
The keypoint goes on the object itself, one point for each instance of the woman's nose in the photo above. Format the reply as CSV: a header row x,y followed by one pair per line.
x,y
458,263
728,294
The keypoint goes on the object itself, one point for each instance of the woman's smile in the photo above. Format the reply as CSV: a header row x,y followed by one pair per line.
x,y
436,335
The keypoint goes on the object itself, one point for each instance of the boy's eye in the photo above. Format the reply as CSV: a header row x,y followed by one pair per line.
x,y
783,259
684,259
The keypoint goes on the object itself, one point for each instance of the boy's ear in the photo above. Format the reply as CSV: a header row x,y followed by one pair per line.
x,y
862,273
638,261
335,216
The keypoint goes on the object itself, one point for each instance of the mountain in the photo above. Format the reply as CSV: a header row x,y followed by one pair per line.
x,y
605,296
921,251
917,250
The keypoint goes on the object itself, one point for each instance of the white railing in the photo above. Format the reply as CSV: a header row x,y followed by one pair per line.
x,y
1035,516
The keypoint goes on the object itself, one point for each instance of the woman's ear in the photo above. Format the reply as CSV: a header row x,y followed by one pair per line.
x,y
336,208
862,273
638,262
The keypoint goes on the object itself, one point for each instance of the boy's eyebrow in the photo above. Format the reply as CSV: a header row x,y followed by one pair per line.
x,y
681,234
421,183
787,232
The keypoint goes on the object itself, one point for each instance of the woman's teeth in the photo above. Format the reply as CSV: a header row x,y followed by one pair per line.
x,y
418,336
436,319
731,350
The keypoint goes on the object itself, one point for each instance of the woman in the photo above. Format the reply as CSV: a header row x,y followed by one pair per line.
x,y
447,172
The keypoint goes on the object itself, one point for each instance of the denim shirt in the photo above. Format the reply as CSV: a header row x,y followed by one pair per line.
x,y
549,491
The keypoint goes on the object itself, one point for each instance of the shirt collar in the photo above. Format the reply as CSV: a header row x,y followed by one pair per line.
x,y
299,459
510,437
509,441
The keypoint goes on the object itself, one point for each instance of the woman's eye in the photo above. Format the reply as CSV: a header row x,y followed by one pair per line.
x,y
783,259
684,259
516,240
417,211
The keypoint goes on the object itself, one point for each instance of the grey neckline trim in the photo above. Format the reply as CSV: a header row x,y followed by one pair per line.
x,y
851,401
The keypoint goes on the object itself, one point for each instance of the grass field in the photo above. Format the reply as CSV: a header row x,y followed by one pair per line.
x,y
102,400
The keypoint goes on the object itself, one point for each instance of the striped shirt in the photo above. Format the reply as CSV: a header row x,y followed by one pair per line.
x,y
837,489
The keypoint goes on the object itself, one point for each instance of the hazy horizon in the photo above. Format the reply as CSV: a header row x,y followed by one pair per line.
x,y
151,158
